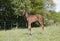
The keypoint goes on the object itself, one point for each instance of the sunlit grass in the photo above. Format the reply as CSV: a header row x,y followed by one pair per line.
x,y
51,33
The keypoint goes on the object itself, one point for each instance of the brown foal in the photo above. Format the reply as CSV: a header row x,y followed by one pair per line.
x,y
32,18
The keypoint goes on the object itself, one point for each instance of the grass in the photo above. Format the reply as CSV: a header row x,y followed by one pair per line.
x,y
51,33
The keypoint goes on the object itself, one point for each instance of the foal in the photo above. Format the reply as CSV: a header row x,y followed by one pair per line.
x,y
32,18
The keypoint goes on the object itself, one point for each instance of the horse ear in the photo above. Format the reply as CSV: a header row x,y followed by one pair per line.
x,y
24,10
21,10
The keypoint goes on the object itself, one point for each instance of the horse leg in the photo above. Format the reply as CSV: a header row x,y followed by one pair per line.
x,y
42,25
29,28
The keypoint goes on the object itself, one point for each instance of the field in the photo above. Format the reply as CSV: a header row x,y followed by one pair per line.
x,y
51,33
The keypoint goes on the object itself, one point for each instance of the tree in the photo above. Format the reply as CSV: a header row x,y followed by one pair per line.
x,y
13,7
32,6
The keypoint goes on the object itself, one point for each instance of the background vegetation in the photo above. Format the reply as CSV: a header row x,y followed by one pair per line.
x,y
11,16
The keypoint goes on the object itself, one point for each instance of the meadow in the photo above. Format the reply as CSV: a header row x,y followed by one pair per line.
x,y
51,33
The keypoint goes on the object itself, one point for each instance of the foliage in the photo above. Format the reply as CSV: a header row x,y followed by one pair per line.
x,y
13,9
32,6
55,16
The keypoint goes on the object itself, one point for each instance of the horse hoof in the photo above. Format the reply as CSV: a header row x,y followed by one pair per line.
x,y
30,34
40,33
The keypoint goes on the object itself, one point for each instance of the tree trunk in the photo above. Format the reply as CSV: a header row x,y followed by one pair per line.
x,y
17,22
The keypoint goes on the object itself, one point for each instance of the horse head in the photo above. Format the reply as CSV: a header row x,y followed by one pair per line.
x,y
23,12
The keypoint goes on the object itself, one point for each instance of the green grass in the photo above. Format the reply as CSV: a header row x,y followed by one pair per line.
x,y
51,33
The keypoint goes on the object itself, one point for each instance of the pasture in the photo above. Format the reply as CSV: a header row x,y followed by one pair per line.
x,y
51,33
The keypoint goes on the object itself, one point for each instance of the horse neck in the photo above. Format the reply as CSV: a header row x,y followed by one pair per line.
x,y
26,14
